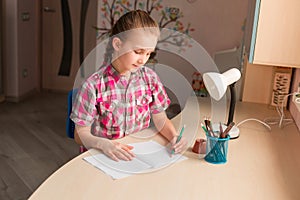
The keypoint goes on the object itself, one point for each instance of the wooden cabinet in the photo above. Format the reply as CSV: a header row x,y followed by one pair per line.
x,y
257,83
295,106
273,32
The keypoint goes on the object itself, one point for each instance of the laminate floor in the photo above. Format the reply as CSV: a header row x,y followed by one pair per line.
x,y
33,143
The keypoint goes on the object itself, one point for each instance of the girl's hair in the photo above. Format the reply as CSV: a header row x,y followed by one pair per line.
x,y
131,20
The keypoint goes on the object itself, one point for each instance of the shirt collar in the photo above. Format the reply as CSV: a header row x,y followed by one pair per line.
x,y
111,71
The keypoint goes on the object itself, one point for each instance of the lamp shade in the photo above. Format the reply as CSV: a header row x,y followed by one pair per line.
x,y
216,83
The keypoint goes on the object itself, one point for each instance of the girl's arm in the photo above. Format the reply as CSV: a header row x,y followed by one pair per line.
x,y
167,129
111,148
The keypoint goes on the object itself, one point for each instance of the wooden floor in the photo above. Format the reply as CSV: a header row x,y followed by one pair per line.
x,y
33,143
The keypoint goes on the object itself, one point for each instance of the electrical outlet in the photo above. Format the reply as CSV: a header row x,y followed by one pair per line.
x,y
25,16
25,73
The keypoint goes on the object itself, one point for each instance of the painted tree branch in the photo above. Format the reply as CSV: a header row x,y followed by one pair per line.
x,y
169,17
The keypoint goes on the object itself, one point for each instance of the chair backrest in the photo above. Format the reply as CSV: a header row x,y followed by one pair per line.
x,y
70,128
70,124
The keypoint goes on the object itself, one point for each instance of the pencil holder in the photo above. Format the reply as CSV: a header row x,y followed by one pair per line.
x,y
216,149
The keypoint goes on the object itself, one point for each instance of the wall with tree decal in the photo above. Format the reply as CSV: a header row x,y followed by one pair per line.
x,y
167,17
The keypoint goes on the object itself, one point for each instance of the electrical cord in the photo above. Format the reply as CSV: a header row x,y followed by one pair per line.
x,y
253,119
281,120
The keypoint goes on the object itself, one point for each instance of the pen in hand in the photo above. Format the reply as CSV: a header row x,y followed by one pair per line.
x,y
205,130
179,137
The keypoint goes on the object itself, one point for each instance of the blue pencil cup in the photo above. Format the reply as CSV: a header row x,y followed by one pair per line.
x,y
216,149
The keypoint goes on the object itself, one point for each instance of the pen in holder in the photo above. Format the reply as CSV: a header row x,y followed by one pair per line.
x,y
216,149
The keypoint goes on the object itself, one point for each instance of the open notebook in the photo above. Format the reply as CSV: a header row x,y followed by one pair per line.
x,y
150,156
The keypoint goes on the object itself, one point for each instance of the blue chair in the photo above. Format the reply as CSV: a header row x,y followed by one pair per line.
x,y
70,126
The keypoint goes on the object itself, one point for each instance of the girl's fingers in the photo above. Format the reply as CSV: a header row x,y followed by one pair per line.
x,y
180,143
123,152
127,154
117,155
122,156
180,146
113,156
128,147
173,141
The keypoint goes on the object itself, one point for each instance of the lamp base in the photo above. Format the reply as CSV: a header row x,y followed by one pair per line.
x,y
233,133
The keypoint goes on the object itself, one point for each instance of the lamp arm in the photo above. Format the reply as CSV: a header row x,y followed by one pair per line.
x,y
232,103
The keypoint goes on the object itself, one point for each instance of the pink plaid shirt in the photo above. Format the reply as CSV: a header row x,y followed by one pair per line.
x,y
115,107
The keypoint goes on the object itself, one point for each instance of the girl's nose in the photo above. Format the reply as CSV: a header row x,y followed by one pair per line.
x,y
142,60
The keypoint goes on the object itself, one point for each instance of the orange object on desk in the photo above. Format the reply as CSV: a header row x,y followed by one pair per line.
x,y
199,146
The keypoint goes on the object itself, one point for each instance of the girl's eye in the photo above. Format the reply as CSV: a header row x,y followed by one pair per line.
x,y
138,51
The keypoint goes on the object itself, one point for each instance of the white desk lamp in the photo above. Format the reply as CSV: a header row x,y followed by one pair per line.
x,y
216,85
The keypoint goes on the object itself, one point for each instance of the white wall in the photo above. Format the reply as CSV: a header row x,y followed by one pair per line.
x,y
20,48
1,68
217,23
10,47
218,26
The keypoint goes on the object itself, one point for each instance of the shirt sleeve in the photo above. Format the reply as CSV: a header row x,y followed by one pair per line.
x,y
84,106
161,100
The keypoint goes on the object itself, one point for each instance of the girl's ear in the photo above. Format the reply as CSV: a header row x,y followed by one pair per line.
x,y
116,43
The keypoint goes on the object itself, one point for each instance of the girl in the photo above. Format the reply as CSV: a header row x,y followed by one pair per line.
x,y
118,99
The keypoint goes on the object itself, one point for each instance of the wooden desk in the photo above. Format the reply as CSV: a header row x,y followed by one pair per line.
x,y
261,165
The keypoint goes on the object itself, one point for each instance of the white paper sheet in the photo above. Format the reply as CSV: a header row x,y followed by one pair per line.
x,y
149,156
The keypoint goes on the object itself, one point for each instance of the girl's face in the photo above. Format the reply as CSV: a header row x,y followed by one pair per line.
x,y
134,52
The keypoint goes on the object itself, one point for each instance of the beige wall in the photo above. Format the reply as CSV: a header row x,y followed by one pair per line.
x,y
1,68
28,46
217,26
10,62
20,48
218,23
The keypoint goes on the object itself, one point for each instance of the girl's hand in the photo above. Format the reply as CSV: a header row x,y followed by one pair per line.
x,y
180,146
115,150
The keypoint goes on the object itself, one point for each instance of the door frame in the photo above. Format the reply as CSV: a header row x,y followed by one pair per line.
x,y
83,42
2,98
